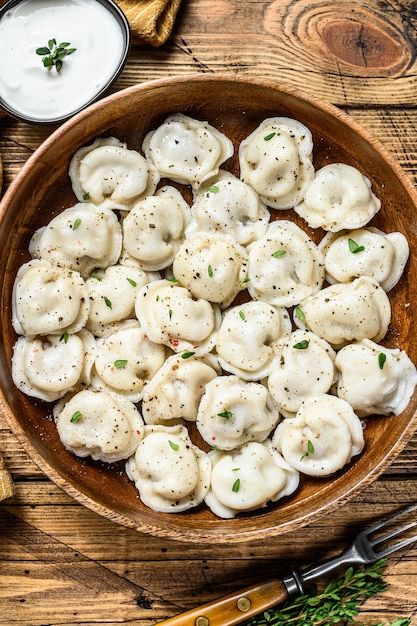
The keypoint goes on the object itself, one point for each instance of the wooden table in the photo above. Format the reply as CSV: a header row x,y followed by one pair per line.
x,y
61,563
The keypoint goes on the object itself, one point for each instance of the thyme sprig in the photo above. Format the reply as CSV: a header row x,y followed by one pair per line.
x,y
338,603
53,54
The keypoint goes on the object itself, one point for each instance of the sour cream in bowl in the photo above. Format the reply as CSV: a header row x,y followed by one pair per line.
x,y
59,56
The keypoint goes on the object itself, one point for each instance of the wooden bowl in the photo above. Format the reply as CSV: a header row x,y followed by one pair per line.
x,y
235,106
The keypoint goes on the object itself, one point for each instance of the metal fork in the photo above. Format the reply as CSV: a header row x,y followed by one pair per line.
x,y
239,606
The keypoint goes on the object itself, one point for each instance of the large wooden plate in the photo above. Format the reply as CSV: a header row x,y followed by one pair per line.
x,y
235,107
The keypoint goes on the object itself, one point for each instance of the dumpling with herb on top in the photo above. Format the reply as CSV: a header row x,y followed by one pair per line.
x,y
81,238
247,478
99,424
375,379
276,160
225,204
365,252
170,472
322,437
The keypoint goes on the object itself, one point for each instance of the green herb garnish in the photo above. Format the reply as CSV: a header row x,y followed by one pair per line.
x,y
301,345
54,55
310,450
187,355
242,315
76,417
354,247
120,363
64,336
338,603
382,357
213,189
76,224
236,485
108,302
210,271
299,314
279,253
132,282
173,445
269,137
225,415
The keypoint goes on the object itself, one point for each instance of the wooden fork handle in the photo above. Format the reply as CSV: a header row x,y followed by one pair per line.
x,y
235,607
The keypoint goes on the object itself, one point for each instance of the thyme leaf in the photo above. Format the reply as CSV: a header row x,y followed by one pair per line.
x,y
54,55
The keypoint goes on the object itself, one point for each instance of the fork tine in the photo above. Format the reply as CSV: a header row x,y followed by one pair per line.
x,y
402,544
392,518
393,533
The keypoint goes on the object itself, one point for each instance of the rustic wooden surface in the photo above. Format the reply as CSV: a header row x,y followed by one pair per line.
x,y
60,563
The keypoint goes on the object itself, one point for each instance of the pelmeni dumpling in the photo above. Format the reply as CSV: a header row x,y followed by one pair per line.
x,y
47,368
228,205
322,438
80,238
108,174
100,424
187,150
347,312
365,252
340,197
233,412
170,315
112,293
303,367
126,361
284,266
154,228
276,160
175,391
248,478
169,471
247,338
211,266
48,300
375,379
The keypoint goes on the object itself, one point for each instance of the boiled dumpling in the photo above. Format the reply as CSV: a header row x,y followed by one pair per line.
x,y
228,205
48,300
322,438
347,312
233,411
284,266
126,360
47,368
375,379
170,315
170,473
211,266
108,174
246,342
154,228
187,150
102,425
365,252
303,367
80,238
112,295
248,478
339,197
276,160
175,391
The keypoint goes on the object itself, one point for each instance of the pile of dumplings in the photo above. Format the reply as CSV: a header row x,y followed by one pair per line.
x,y
151,324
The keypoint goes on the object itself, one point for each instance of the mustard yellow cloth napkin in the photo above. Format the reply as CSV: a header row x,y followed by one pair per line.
x,y
150,20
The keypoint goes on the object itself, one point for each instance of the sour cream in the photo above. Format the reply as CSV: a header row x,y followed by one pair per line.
x,y
36,93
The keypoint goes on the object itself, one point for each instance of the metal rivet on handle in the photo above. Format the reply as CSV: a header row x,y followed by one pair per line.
x,y
202,621
243,604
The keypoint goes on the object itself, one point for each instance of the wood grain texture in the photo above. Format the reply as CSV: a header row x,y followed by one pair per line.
x,y
61,563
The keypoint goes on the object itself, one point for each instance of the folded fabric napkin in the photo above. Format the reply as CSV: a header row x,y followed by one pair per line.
x,y
151,21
